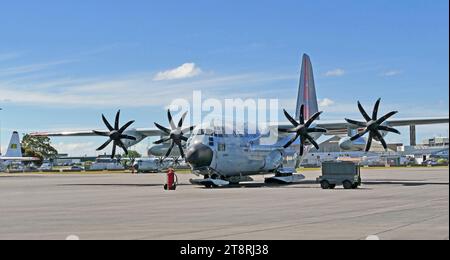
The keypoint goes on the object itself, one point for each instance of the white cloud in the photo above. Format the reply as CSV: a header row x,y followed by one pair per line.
x,y
326,102
187,70
335,73
391,73
135,90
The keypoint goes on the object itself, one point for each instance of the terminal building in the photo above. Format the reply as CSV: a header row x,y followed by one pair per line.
x,y
398,154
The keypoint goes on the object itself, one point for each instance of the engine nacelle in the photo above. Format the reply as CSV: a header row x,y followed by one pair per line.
x,y
273,161
160,150
359,144
348,145
132,132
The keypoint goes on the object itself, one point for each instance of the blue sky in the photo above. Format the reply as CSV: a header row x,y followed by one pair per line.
x,y
63,63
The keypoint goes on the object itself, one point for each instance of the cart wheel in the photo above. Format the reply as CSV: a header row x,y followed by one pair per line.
x,y
347,185
325,185
165,186
332,186
355,186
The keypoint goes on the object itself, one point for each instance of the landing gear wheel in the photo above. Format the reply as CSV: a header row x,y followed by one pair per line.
x,y
325,185
347,185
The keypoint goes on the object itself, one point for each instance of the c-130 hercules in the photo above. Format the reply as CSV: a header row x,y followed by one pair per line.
x,y
222,156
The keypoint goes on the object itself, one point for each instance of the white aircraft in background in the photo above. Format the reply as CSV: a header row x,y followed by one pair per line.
x,y
14,153
226,156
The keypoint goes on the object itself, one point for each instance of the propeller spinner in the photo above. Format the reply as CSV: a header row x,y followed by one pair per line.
x,y
373,125
303,129
175,133
115,135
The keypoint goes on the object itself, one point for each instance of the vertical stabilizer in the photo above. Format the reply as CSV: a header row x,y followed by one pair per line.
x,y
307,90
14,148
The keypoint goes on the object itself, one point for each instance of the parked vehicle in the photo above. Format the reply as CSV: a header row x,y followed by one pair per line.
x,y
347,174
46,167
102,164
76,168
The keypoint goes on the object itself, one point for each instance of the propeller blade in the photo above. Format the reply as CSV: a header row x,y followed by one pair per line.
x,y
172,124
381,139
170,150
125,126
357,123
386,117
369,142
312,141
162,140
181,150
290,130
363,112
116,122
302,148
389,129
313,118
359,135
383,142
100,133
184,138
108,125
103,146
316,130
188,129
129,137
113,154
375,109
290,118
291,141
302,114
122,145
162,128
180,123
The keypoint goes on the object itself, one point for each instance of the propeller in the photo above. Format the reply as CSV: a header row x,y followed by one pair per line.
x,y
373,125
303,129
174,134
115,135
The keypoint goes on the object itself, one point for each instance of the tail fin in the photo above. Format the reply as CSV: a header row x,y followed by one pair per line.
x,y
14,148
307,90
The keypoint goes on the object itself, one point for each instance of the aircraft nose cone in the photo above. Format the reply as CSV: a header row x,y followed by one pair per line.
x,y
199,155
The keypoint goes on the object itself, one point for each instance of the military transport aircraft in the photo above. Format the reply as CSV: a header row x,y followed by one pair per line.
x,y
222,155
14,153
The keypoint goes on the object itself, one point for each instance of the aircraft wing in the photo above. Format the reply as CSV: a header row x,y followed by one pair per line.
x,y
65,133
22,159
341,128
142,131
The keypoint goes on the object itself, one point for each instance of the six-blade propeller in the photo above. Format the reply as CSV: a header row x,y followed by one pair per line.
x,y
303,129
115,135
373,125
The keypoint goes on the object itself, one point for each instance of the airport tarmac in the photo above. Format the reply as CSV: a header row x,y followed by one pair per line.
x,y
406,203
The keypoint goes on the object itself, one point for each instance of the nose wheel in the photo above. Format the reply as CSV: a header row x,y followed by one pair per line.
x,y
210,185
